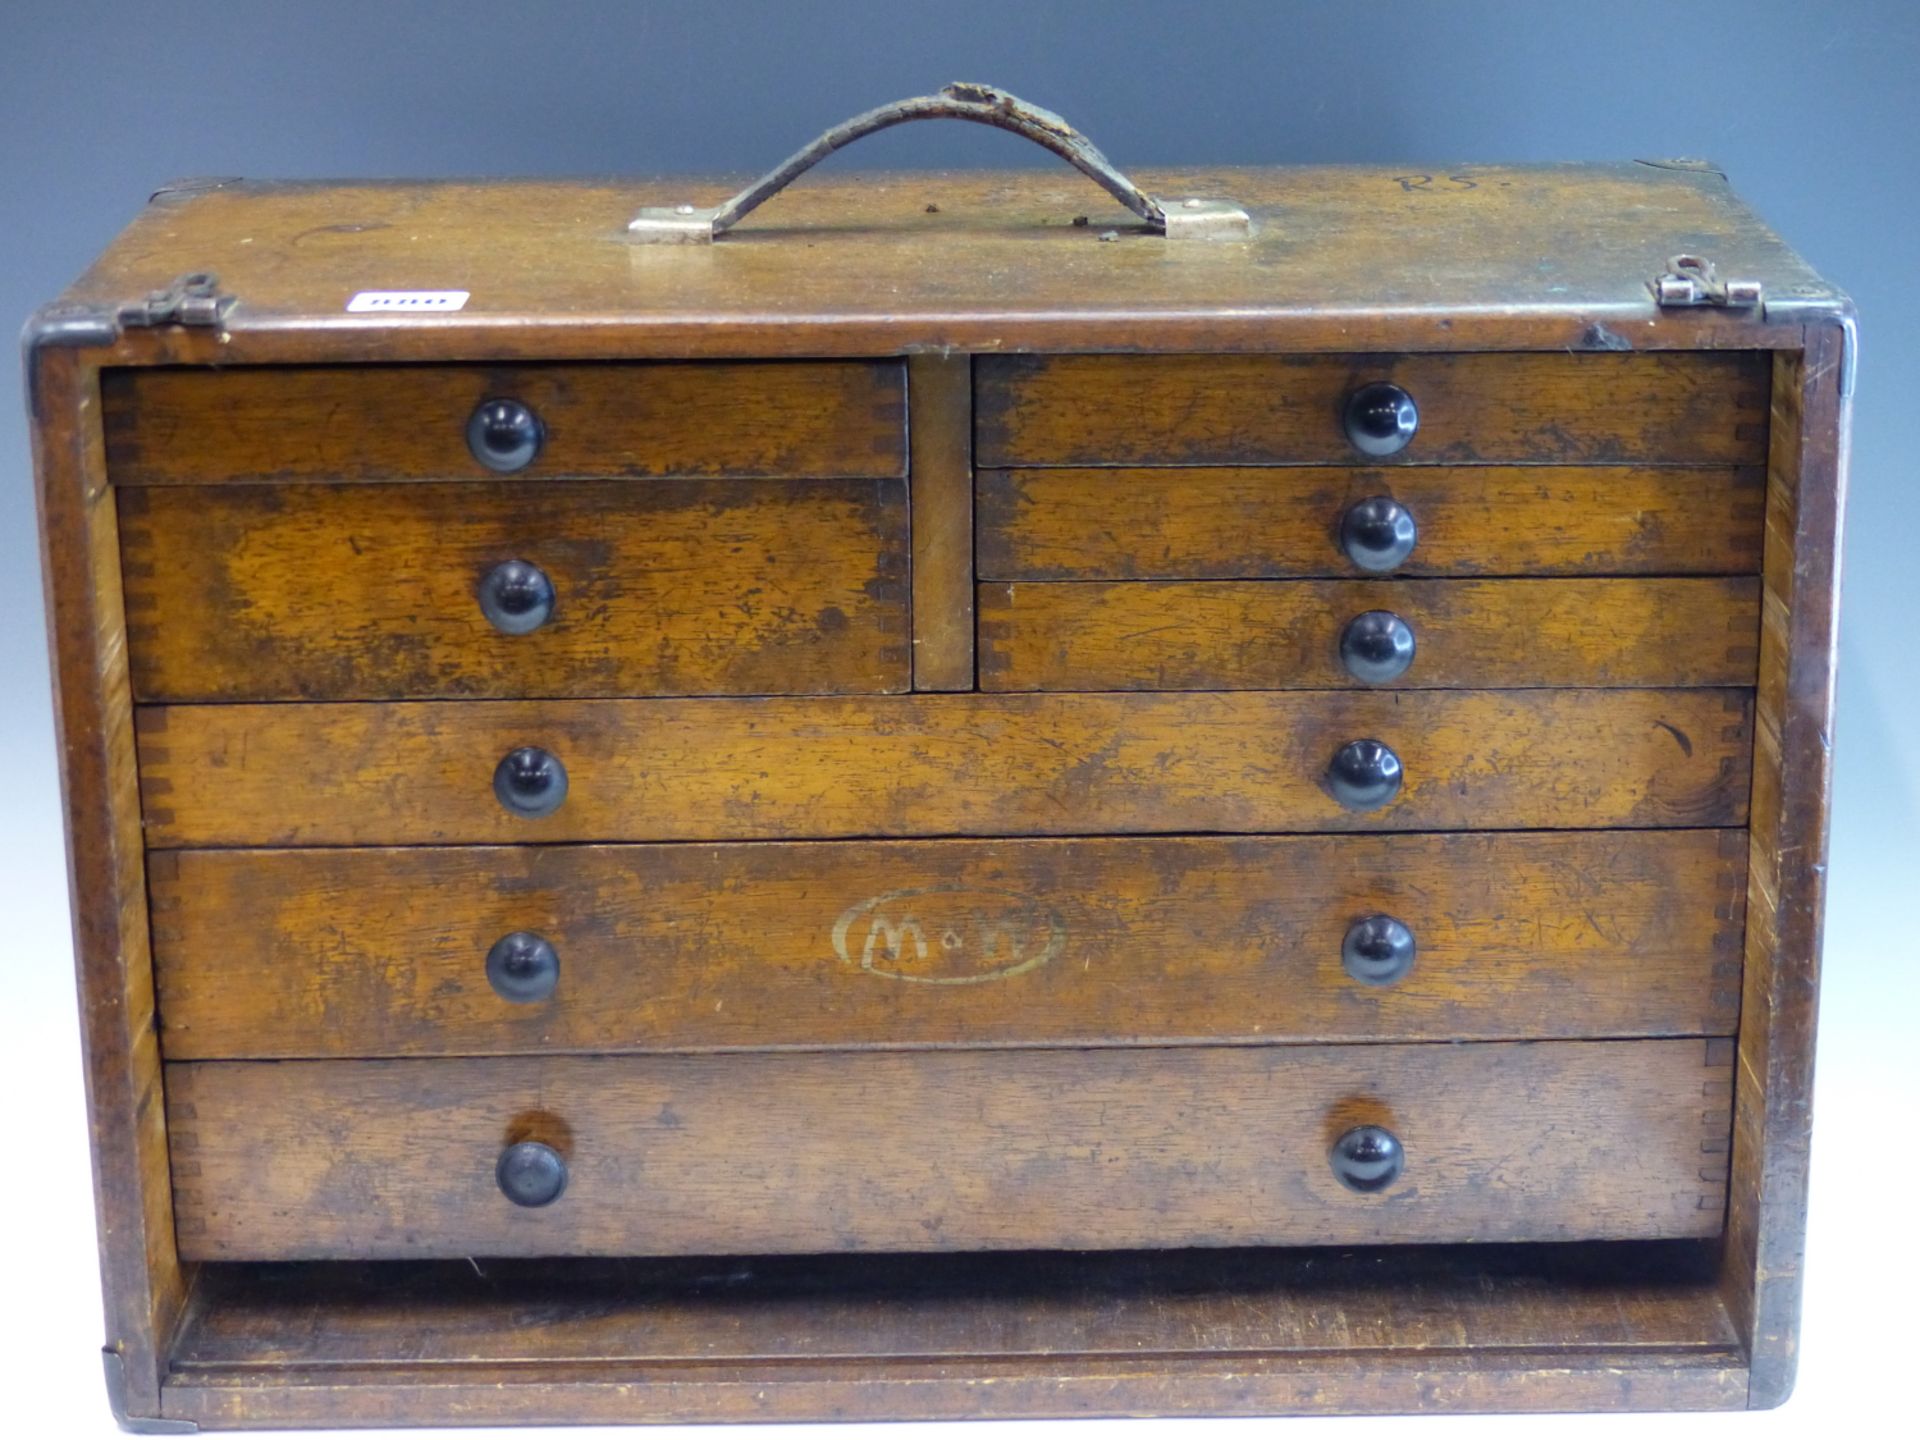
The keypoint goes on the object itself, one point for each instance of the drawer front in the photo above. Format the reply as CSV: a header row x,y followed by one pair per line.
x,y
1309,634
1284,523
411,422
949,1150
361,592
941,765
1286,409
291,953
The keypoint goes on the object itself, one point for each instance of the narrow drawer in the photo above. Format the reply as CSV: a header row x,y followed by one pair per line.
x,y
1289,409
369,592
412,422
1413,634
947,1150
1249,761
1286,523
535,949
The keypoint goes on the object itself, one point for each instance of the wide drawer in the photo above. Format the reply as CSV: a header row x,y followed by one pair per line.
x,y
1287,409
1284,522
1292,634
410,422
949,1150
676,586
424,951
1248,761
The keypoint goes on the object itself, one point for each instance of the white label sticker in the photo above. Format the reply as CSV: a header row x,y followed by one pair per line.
x,y
406,302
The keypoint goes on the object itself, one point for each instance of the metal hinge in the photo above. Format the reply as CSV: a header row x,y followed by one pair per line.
x,y
193,299
1691,280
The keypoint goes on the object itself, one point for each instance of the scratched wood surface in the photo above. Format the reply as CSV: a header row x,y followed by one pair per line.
x,y
1286,409
1793,775
333,952
1285,634
185,426
949,1150
356,592
145,1284
1281,522
1341,258
422,773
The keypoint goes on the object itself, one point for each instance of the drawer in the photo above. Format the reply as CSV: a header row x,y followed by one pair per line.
x,y
718,769
948,1150
411,422
1285,522
363,592
1609,408
1312,634
531,949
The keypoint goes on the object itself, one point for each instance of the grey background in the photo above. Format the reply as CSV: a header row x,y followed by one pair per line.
x,y
1814,109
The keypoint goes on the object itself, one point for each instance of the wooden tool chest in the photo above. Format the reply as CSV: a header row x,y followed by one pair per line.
x,y
951,802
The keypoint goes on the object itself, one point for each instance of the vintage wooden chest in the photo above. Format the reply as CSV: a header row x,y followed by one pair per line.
x,y
952,802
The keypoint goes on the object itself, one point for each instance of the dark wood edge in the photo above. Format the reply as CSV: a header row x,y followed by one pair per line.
x,y
145,1286
1793,746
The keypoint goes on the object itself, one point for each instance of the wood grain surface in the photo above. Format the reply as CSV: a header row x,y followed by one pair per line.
x,y
363,592
941,397
1285,634
190,426
1341,258
1286,409
1282,522
950,1150
422,773
344,953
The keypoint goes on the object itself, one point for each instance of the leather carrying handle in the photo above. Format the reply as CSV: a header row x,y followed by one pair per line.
x,y
980,104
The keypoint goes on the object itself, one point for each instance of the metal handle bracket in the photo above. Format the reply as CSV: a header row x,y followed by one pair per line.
x,y
982,105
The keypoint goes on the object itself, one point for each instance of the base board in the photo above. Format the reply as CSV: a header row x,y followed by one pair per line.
x,y
1221,1332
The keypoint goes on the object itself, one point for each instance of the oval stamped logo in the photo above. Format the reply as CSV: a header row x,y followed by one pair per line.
x,y
949,935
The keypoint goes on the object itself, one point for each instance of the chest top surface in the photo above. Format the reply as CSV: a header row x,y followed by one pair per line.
x,y
1535,257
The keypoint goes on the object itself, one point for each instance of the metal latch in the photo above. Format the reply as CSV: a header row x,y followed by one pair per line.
x,y
190,300
1692,280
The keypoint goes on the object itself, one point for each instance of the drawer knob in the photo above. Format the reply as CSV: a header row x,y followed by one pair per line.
x,y
1378,533
505,435
531,1174
1377,950
1364,775
1380,419
1376,647
530,781
1368,1158
523,967
516,597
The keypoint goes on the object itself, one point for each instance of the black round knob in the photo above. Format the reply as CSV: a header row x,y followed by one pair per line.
x,y
530,781
1364,775
523,967
1376,646
1377,950
1380,419
516,597
531,1174
505,435
1368,1158
1378,534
